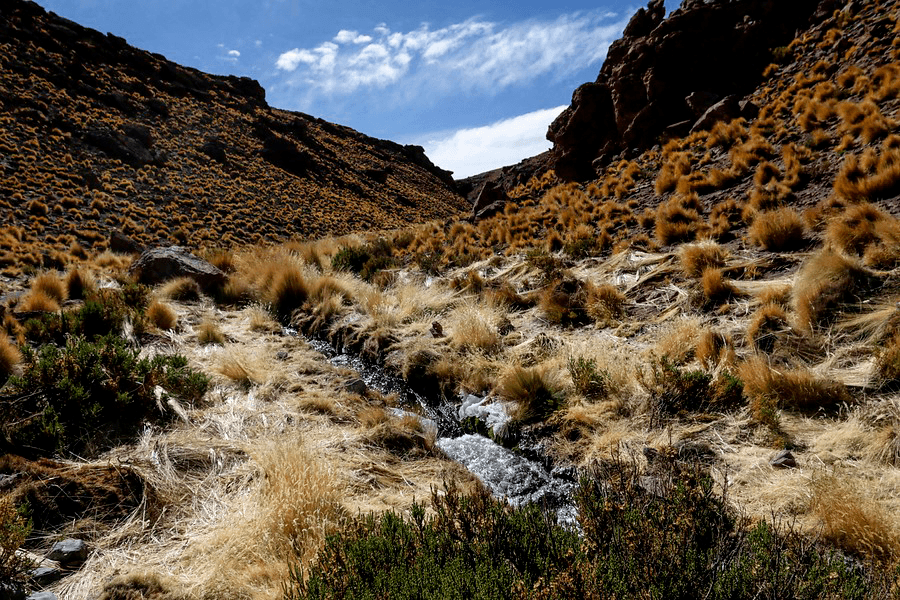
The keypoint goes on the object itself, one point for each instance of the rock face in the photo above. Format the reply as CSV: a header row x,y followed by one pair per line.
x,y
666,71
161,264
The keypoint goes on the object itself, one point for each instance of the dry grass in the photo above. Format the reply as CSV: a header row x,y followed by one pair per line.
x,y
80,284
865,230
536,391
791,389
678,220
10,357
605,304
854,520
161,315
288,290
37,301
824,282
695,258
779,230
50,285
714,348
679,340
765,324
182,289
715,287
209,332
239,369
475,328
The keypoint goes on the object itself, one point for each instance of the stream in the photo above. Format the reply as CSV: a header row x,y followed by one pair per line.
x,y
506,473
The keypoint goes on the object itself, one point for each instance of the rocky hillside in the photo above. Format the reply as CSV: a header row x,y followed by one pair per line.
x,y
97,136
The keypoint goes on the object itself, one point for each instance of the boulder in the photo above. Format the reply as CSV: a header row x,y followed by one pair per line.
x,y
356,386
726,109
45,575
784,460
119,242
491,199
69,552
161,264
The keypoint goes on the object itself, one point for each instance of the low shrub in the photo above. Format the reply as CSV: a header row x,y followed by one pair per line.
x,y
587,380
674,390
90,395
680,539
366,260
102,313
14,528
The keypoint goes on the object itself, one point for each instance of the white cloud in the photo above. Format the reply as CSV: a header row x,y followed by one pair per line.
x,y
473,55
234,53
471,151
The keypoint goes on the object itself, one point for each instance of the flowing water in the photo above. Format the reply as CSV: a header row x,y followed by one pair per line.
x,y
506,473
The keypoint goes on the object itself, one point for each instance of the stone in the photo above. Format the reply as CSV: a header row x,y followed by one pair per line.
x,y
698,102
46,575
119,242
725,109
282,355
437,330
784,460
356,386
42,596
11,591
69,552
491,199
161,264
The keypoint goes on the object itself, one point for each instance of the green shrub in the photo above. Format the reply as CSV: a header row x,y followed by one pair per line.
x,y
102,313
587,380
679,541
14,528
89,395
366,260
674,390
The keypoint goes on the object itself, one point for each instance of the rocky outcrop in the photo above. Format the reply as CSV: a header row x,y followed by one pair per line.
x,y
666,71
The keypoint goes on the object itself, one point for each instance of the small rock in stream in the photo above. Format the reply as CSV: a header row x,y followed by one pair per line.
x,y
69,552
356,386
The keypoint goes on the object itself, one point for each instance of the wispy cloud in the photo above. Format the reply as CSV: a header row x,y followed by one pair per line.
x,y
471,151
475,55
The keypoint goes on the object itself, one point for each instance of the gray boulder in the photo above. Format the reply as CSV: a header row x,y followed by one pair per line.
x,y
69,552
161,264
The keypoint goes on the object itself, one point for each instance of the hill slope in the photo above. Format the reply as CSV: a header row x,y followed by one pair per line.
x,y
96,135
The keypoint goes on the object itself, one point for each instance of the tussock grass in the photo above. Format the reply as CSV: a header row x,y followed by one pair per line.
x,y
855,521
765,324
695,258
208,332
50,285
182,289
678,341
605,304
10,357
288,291
715,287
38,301
80,284
161,315
678,220
825,281
240,370
799,389
714,348
475,328
779,230
538,392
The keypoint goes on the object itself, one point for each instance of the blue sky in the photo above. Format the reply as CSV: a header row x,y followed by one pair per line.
x,y
476,83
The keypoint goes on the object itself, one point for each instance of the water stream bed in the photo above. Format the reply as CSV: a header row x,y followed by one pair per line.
x,y
506,473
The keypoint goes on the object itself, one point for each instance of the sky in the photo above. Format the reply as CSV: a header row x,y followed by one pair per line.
x,y
475,83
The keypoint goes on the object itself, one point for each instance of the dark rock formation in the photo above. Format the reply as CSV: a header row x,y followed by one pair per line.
x,y
161,264
667,71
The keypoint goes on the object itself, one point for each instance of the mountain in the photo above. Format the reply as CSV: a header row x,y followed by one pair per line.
x,y
98,136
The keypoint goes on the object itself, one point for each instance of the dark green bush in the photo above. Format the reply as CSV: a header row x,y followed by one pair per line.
x,y
89,395
675,390
102,313
680,541
366,260
588,381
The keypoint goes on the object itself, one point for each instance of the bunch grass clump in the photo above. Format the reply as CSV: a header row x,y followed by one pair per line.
x,y
162,316
780,230
537,392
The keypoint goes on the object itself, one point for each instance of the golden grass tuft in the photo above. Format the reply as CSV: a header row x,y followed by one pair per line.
x,y
695,258
80,284
209,332
288,291
474,329
799,389
538,392
182,289
779,230
880,180
765,324
865,230
825,281
37,301
853,520
239,371
678,220
714,348
161,315
605,304
51,286
142,586
715,287
10,357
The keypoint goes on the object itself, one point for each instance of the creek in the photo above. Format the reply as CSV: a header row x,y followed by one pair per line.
x,y
508,474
